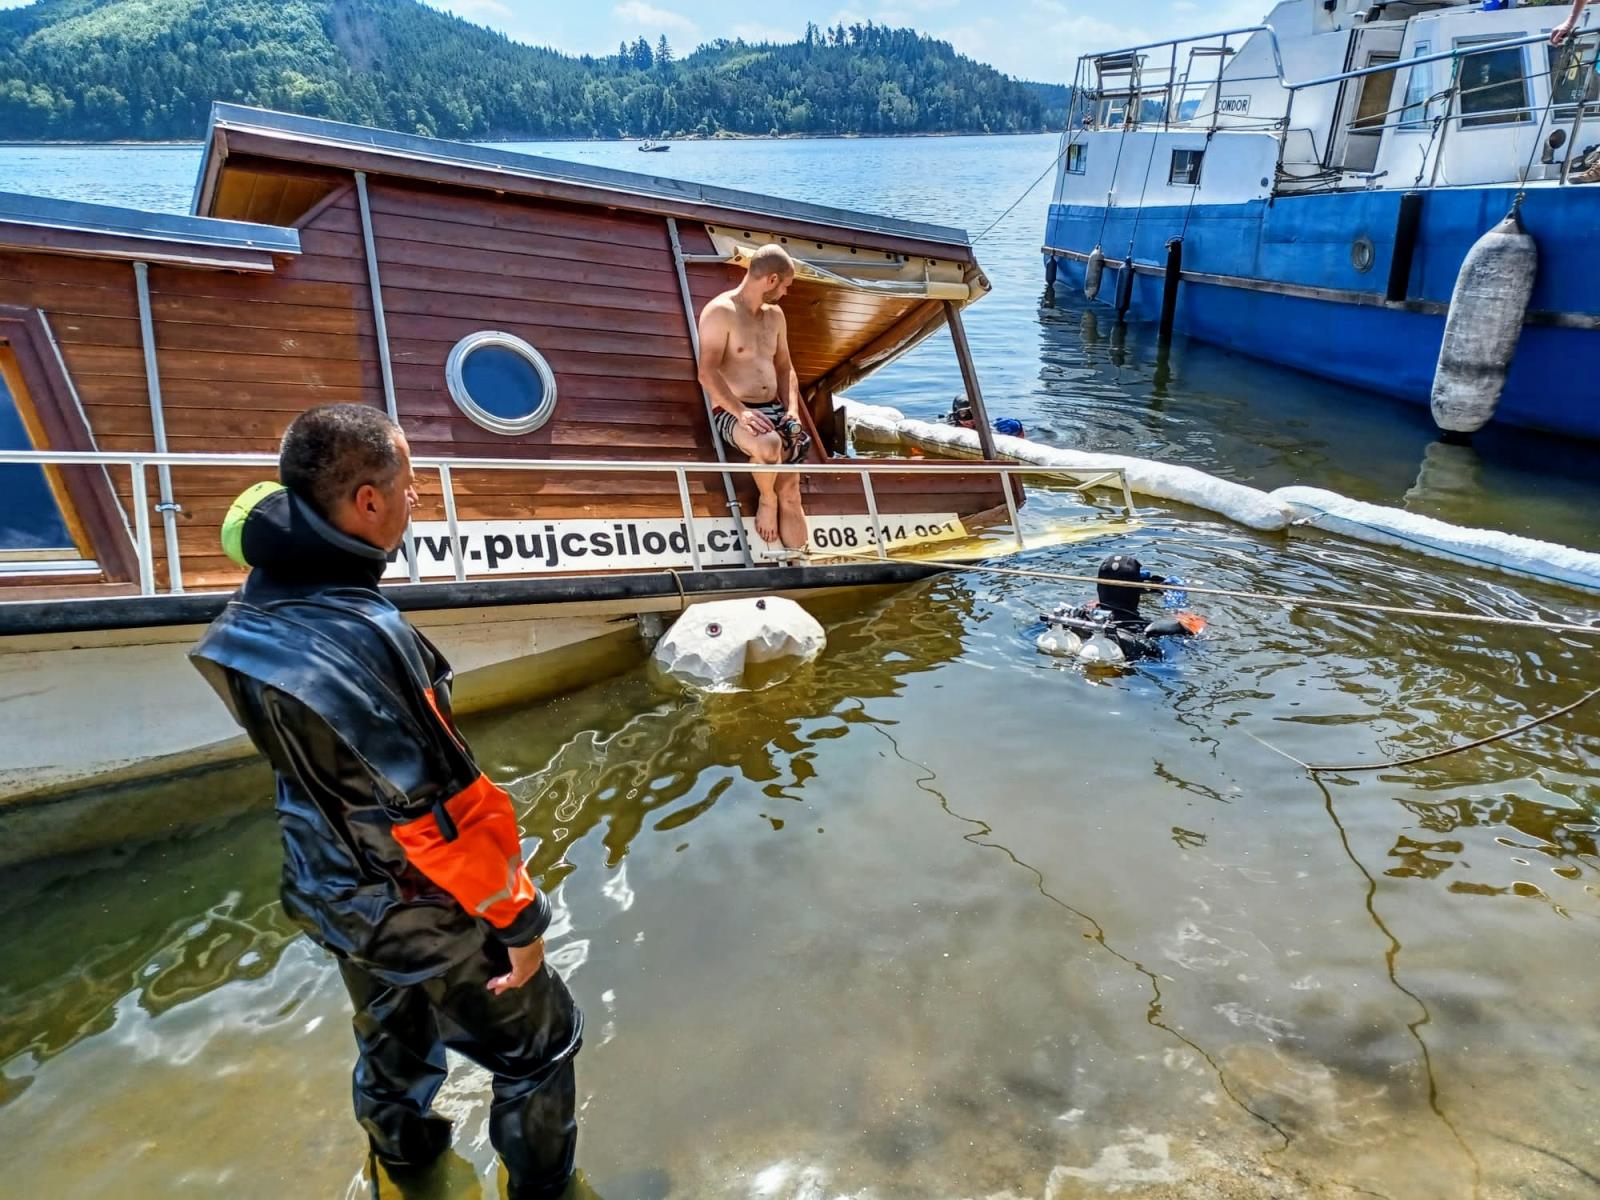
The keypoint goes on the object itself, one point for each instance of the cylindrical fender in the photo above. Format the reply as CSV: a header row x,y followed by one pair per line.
x,y
1481,330
1093,271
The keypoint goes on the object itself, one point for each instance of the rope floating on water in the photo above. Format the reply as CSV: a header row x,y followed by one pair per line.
x,y
1310,602
1315,768
1438,614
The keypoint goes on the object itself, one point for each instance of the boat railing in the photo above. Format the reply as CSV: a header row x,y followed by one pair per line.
x,y
1164,88
139,464
1445,109
1144,93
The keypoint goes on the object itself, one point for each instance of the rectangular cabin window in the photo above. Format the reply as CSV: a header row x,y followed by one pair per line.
x,y
1372,107
1185,170
1418,113
1568,70
31,522
1493,86
1077,157
1113,112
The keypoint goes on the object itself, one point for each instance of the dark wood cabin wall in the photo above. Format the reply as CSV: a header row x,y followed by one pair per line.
x,y
240,355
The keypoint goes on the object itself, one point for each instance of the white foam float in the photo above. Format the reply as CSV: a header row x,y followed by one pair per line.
x,y
710,645
1530,557
1247,505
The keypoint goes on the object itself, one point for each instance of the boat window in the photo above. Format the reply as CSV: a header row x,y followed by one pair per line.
x,y
1185,167
1567,76
1112,112
30,519
1077,156
1372,104
1418,113
1494,87
501,382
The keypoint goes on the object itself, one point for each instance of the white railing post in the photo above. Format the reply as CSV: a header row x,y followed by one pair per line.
x,y
688,518
141,527
1011,507
872,507
448,487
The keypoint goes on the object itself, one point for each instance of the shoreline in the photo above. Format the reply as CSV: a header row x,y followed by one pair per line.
x,y
715,137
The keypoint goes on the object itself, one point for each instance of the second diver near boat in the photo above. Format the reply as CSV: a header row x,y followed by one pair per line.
x,y
401,857
1110,628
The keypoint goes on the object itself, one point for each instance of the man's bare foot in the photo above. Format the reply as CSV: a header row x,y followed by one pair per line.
x,y
792,526
767,520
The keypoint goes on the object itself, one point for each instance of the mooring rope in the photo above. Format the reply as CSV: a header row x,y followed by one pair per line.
x,y
1437,614
1309,602
1316,768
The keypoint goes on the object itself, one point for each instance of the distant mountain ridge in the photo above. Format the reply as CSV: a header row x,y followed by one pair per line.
x,y
150,69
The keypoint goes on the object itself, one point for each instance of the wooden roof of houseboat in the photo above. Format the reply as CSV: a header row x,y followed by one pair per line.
x,y
237,130
107,231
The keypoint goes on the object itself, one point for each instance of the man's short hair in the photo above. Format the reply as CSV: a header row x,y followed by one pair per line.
x,y
330,451
771,259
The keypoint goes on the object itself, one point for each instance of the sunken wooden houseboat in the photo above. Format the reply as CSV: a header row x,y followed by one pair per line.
x,y
530,324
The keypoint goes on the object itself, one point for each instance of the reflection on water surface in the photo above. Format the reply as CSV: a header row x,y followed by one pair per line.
x,y
935,917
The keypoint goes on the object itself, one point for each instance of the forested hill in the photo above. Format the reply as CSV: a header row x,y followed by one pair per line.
x,y
149,69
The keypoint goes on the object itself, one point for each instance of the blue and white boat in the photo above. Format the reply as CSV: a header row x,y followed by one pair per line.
x,y
1306,190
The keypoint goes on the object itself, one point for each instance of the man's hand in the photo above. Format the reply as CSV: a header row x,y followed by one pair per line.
x,y
753,422
1562,31
525,964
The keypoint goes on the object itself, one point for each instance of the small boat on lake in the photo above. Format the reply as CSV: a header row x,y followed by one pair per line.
x,y
653,147
529,322
1312,186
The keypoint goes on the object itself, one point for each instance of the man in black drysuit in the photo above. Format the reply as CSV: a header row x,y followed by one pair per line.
x,y
401,858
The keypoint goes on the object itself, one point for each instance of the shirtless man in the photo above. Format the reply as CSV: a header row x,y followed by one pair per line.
x,y
745,369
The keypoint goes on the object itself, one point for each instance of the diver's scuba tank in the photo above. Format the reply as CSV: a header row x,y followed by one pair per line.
x,y
1101,649
1058,642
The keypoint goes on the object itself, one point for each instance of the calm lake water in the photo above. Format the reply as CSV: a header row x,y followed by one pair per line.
x,y
937,918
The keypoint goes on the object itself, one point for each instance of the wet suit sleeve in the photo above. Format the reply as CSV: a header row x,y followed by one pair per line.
x,y
453,824
458,828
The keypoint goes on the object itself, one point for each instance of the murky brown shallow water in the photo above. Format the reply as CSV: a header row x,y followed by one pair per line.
x,y
935,918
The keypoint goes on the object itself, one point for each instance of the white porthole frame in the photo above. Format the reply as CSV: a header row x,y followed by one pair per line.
x,y
476,412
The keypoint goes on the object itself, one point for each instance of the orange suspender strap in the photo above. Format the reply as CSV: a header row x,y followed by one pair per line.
x,y
475,851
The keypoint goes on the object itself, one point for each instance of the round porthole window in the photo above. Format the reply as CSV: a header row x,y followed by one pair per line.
x,y
501,382
1363,253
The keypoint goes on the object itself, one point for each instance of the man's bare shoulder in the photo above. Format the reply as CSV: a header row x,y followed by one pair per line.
x,y
719,306
773,314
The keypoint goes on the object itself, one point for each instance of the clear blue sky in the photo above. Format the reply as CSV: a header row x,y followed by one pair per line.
x,y
1034,39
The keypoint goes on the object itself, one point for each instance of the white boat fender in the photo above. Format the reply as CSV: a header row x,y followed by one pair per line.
x,y
1487,309
711,644
1093,271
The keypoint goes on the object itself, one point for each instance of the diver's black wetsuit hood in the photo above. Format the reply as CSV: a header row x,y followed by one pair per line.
x,y
1114,590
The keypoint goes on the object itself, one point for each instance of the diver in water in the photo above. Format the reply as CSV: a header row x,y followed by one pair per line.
x,y
1110,628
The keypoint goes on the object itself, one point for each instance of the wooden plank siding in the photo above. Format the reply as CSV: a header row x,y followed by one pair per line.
x,y
594,290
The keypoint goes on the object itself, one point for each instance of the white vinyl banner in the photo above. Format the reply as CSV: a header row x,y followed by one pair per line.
x,y
570,547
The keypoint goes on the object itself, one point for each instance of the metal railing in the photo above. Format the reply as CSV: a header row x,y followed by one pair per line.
x,y
1148,86
138,464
